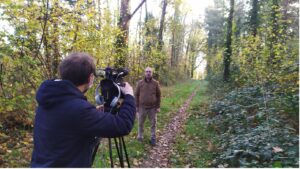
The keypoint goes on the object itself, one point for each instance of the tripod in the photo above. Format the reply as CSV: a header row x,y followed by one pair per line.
x,y
120,145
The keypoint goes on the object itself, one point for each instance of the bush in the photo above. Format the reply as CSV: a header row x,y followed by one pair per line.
x,y
251,134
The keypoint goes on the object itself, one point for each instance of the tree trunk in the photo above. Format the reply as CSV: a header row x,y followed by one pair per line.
x,y
47,54
186,65
275,28
161,27
55,42
122,39
173,55
254,17
100,14
228,50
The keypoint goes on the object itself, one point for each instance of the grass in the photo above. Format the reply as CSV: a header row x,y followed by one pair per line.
x,y
172,99
195,146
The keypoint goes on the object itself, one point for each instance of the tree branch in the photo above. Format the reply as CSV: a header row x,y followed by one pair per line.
x,y
136,9
198,64
44,28
1,82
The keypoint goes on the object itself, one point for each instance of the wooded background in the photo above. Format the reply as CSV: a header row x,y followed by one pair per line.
x,y
245,42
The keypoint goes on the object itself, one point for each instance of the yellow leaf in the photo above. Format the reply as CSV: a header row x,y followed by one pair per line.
x,y
5,59
24,142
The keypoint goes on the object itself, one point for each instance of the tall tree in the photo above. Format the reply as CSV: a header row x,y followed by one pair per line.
x,y
55,41
214,21
239,20
253,23
122,38
214,24
161,27
228,50
195,44
177,33
275,13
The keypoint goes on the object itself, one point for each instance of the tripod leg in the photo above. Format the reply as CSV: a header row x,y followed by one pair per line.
x,y
118,151
127,159
121,153
94,153
110,153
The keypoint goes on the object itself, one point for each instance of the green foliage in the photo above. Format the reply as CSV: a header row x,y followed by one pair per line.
x,y
44,33
251,134
19,79
257,120
267,58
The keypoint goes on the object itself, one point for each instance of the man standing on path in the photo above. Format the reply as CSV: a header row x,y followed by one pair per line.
x,y
148,98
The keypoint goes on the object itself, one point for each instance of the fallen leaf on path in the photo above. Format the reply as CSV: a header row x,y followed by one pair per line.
x,y
135,162
210,146
188,166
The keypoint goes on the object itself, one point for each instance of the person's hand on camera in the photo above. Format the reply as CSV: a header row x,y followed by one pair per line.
x,y
100,108
127,89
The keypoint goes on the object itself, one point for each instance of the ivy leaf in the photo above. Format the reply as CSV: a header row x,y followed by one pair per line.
x,y
277,164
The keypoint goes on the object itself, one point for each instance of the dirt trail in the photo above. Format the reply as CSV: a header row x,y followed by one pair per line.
x,y
158,156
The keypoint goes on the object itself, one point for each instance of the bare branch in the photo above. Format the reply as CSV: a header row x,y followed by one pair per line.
x,y
136,9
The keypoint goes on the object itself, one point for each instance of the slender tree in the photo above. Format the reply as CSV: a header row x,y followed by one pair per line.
x,y
275,13
122,39
253,23
228,50
177,34
161,27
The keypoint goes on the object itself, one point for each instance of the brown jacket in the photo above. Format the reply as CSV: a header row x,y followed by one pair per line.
x,y
148,94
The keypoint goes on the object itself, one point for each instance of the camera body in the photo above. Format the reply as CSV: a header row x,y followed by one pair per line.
x,y
108,91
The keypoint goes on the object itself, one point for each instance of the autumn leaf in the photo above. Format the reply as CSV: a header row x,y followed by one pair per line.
x,y
210,146
135,162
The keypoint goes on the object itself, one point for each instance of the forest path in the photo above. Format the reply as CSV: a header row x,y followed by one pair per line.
x,y
158,156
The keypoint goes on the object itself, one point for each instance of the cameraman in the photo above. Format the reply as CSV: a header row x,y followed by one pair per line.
x,y
66,124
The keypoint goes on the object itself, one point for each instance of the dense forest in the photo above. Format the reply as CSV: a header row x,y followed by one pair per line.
x,y
251,50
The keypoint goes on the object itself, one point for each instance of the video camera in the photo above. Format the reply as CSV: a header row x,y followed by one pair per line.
x,y
110,94
110,97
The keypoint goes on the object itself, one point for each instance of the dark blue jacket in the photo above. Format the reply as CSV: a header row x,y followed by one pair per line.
x,y
66,125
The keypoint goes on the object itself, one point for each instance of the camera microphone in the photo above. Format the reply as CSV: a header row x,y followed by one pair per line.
x,y
123,72
100,73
